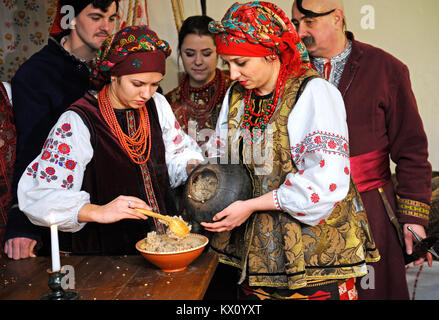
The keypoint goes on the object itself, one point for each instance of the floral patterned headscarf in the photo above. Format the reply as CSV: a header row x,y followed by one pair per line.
x,y
259,29
134,49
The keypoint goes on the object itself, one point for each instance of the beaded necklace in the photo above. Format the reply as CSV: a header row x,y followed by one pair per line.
x,y
199,111
135,145
256,128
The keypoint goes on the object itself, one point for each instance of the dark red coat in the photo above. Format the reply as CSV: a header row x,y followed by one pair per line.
x,y
382,113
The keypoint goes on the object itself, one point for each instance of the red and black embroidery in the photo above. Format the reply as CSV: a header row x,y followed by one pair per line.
x,y
48,174
68,182
32,170
57,154
321,142
64,131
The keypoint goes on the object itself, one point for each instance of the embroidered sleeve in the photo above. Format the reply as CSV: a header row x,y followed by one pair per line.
x,y
49,190
320,150
180,147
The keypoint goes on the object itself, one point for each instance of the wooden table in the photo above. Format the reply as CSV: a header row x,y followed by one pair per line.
x,y
109,278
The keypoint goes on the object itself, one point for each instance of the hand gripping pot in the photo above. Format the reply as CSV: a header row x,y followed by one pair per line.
x,y
210,188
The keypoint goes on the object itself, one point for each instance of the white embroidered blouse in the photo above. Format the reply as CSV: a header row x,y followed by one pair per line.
x,y
319,144
49,191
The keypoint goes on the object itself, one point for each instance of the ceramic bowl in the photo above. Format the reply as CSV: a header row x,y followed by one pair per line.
x,y
177,260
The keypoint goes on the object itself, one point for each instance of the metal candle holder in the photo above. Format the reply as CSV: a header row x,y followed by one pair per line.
x,y
58,292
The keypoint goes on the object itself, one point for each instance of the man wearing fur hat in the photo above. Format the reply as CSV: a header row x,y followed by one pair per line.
x,y
43,88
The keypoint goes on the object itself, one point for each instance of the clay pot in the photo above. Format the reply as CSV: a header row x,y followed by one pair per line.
x,y
210,188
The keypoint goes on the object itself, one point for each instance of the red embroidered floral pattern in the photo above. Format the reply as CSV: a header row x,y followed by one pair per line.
x,y
33,170
55,153
321,142
64,131
48,174
46,155
67,183
70,164
346,170
332,187
64,148
315,198
178,139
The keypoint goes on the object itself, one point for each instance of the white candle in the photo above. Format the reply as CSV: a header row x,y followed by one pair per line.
x,y
56,263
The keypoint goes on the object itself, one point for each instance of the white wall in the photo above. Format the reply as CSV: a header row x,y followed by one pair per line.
x,y
405,28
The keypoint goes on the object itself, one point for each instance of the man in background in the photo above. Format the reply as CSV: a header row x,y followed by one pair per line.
x,y
384,122
43,87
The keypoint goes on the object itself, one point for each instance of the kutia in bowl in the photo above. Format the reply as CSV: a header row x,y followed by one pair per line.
x,y
169,252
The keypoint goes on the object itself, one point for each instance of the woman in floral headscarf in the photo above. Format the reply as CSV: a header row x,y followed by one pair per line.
x,y
113,150
304,234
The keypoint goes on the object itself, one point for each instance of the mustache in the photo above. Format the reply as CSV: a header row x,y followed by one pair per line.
x,y
102,34
308,41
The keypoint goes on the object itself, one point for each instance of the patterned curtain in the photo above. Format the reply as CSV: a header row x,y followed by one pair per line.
x,y
25,26
24,30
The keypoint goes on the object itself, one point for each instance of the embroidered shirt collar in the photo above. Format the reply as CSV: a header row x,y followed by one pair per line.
x,y
337,64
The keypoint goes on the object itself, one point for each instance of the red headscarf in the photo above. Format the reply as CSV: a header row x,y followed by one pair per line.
x,y
259,29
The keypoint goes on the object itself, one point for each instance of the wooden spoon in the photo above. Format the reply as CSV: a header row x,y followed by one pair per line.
x,y
176,226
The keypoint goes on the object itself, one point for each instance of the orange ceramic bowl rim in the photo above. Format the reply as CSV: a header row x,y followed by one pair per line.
x,y
194,235
176,260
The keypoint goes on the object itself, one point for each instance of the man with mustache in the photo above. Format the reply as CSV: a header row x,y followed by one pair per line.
x,y
44,86
383,122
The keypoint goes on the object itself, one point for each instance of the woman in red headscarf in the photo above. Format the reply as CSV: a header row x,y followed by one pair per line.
x,y
304,234
113,150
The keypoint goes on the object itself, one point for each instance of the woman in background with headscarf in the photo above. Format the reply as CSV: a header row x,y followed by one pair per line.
x,y
112,151
304,234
